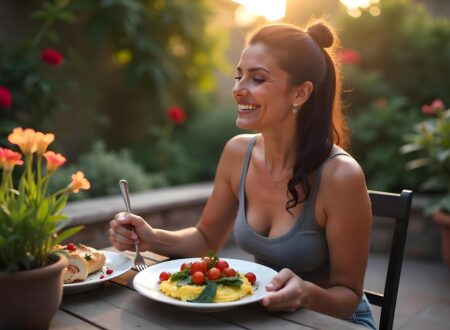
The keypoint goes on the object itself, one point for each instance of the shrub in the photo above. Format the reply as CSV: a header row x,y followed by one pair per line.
x,y
377,135
105,169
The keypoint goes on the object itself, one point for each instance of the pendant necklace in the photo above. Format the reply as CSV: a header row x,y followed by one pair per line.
x,y
277,179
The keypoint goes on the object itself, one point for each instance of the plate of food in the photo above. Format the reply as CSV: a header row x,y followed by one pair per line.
x,y
88,267
205,284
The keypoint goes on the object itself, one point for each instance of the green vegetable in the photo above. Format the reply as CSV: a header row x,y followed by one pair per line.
x,y
186,281
232,281
208,293
181,275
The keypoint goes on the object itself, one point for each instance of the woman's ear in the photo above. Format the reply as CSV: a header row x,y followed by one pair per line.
x,y
303,92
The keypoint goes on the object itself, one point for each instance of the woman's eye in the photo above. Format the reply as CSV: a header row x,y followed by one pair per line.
x,y
237,78
258,80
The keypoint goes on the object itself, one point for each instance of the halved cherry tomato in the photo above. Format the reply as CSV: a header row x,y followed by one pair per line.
x,y
198,266
229,272
198,278
251,277
214,274
164,276
184,265
222,264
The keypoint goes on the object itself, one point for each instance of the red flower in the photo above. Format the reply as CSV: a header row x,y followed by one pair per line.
x,y
435,107
176,115
349,56
51,56
5,98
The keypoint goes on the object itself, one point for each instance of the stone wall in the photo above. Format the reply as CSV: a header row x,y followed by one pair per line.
x,y
180,207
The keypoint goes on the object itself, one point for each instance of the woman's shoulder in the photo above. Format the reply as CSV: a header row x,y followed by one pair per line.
x,y
342,170
238,144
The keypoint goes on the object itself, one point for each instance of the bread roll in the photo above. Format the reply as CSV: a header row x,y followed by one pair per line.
x,y
83,261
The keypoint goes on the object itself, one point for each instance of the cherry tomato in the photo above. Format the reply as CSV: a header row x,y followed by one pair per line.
x,y
71,247
184,265
229,272
208,261
214,274
222,264
198,278
198,266
251,277
164,276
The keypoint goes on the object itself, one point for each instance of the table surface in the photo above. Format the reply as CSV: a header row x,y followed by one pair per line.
x,y
117,305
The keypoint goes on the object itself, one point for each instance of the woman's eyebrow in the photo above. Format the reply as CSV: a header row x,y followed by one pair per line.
x,y
258,68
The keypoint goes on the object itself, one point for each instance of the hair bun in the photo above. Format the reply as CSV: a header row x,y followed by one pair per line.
x,y
321,34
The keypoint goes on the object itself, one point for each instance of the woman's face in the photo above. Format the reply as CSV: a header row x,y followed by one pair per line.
x,y
262,90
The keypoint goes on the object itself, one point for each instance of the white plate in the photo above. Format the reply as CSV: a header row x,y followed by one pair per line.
x,y
147,284
115,261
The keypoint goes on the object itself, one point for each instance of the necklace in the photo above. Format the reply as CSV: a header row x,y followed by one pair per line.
x,y
278,178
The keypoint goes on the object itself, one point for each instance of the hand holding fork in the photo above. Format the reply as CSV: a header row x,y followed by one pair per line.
x,y
139,262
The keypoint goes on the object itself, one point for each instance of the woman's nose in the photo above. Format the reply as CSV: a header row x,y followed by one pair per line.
x,y
239,89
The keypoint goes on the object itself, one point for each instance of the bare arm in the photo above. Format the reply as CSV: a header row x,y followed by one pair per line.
x,y
213,228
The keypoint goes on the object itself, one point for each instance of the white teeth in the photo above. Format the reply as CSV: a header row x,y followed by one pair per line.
x,y
246,107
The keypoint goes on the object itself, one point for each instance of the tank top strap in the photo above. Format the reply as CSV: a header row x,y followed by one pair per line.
x,y
246,164
335,151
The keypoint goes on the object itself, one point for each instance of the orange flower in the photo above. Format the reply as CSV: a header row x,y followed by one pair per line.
x,y
43,141
25,139
78,182
9,159
54,160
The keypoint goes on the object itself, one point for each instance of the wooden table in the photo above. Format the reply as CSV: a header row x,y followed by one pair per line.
x,y
116,305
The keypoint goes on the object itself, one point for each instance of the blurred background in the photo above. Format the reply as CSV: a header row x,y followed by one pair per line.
x,y
142,88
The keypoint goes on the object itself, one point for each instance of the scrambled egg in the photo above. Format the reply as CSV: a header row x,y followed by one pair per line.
x,y
224,293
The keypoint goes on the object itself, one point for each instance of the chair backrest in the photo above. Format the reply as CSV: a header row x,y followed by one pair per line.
x,y
396,207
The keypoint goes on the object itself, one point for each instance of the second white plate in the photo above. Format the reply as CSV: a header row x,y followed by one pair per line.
x,y
147,284
117,262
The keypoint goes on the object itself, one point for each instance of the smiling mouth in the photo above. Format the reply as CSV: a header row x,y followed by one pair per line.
x,y
246,107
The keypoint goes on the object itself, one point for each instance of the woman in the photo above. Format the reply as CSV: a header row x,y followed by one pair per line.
x,y
296,200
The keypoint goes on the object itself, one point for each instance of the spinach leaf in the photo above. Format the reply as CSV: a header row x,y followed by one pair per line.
x,y
208,293
181,275
186,281
232,281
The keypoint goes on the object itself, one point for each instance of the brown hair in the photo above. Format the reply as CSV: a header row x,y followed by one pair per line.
x,y
307,55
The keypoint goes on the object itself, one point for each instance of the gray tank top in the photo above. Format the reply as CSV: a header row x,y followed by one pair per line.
x,y
303,249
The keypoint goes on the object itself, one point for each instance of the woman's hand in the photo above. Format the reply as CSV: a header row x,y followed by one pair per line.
x,y
288,292
123,238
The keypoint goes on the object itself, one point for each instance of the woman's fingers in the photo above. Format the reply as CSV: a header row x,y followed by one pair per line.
x,y
121,234
286,292
279,280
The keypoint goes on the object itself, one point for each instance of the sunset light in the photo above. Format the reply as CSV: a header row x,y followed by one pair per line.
x,y
354,7
272,10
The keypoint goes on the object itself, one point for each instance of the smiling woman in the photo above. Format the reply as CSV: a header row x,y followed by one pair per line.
x,y
293,197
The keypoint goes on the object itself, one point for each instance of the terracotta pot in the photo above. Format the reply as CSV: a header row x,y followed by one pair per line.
x,y
443,219
29,299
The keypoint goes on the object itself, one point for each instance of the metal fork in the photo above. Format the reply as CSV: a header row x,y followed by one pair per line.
x,y
139,262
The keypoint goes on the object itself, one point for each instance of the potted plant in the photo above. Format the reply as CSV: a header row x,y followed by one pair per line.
x,y
31,223
431,139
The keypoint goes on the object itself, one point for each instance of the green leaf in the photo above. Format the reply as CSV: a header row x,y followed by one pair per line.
x,y
181,275
232,281
186,281
208,293
410,147
66,234
417,163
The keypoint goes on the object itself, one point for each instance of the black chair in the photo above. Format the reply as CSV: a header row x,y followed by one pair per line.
x,y
396,207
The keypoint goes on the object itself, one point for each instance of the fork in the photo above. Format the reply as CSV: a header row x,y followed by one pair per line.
x,y
139,262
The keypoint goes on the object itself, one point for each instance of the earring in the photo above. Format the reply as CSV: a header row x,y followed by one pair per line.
x,y
295,109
